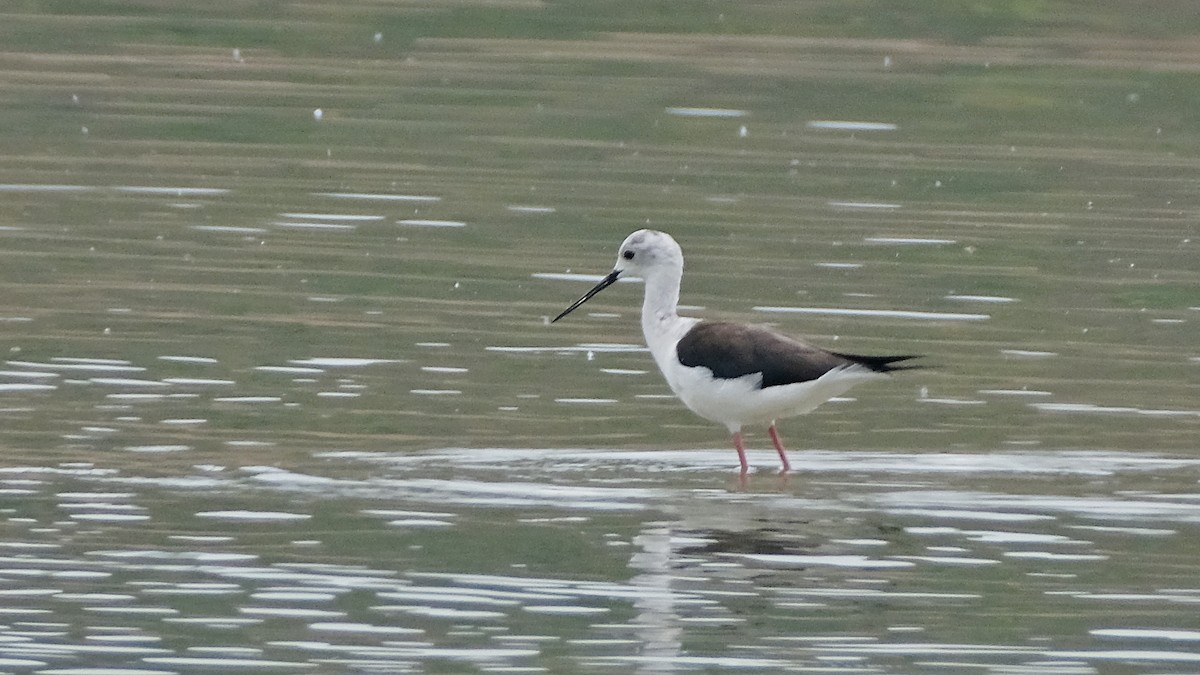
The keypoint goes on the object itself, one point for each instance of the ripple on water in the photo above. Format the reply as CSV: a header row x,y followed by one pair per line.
x,y
292,612
132,610
332,216
1027,353
706,112
192,589
300,225
428,596
369,196
1015,392
878,313
157,448
230,229
443,369
566,610
117,639
283,477
847,125
224,664
554,460
111,366
593,347
1172,635
294,595
864,205
948,504
950,401
25,387
248,399
254,516
997,299
1091,408
447,613
290,370
1054,556
44,187
127,382
804,561
909,241
110,517
199,381
425,222
172,191
28,374
205,360
207,557
341,362
362,628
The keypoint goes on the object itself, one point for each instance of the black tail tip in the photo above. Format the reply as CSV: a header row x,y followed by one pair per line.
x,y
893,363
886,364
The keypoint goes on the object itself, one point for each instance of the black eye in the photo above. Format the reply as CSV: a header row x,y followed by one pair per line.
x,y
628,255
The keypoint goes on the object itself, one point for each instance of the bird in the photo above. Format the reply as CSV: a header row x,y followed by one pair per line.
x,y
734,374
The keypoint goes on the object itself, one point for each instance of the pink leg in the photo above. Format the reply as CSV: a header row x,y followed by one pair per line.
x,y
779,448
741,450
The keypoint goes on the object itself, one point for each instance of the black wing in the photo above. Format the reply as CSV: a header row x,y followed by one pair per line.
x,y
732,350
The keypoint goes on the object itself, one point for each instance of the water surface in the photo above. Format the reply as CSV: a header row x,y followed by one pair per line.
x,y
279,392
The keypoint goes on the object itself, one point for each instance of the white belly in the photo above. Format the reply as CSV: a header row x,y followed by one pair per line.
x,y
737,402
740,401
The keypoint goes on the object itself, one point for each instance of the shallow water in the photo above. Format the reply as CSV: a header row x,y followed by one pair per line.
x,y
279,393
570,559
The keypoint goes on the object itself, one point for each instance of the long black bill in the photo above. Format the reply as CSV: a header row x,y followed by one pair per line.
x,y
604,283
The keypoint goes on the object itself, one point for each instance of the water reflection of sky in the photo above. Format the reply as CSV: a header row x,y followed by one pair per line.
x,y
280,394
166,552
928,536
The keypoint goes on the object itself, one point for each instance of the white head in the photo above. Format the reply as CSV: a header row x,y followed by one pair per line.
x,y
648,254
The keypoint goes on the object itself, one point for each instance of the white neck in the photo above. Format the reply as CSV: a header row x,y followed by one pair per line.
x,y
659,308
662,325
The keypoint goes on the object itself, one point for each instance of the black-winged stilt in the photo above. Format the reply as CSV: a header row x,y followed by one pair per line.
x,y
731,373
